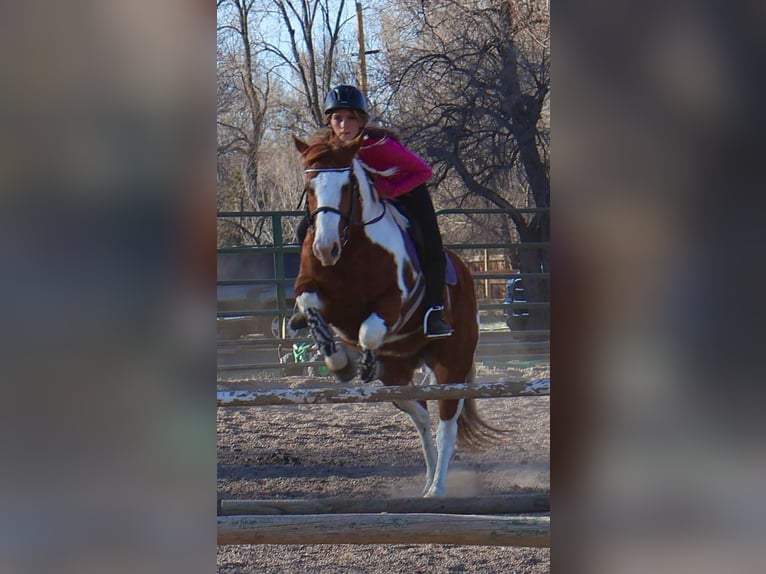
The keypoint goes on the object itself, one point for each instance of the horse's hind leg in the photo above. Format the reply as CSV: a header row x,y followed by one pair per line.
x,y
446,437
398,372
419,416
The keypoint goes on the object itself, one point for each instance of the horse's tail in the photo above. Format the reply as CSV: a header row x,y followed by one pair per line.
x,y
473,432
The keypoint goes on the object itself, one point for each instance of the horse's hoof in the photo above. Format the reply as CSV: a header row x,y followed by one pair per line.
x,y
347,373
368,367
368,373
298,322
434,493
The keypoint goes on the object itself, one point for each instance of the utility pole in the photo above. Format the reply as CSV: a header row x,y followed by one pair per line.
x,y
362,56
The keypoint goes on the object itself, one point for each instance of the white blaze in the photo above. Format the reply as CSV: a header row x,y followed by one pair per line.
x,y
327,186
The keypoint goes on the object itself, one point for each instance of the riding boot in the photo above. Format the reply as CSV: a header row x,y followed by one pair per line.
x,y
434,322
420,210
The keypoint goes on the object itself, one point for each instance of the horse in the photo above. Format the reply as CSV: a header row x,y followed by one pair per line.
x,y
359,281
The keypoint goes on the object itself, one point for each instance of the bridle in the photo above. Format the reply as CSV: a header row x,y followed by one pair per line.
x,y
349,215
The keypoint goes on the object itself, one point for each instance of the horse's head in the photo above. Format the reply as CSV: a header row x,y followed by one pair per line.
x,y
329,199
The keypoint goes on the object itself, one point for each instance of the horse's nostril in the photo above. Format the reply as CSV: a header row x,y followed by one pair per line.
x,y
335,251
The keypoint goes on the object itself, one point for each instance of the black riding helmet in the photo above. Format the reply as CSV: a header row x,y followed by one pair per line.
x,y
345,97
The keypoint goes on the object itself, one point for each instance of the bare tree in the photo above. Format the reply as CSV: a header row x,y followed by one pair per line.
x,y
276,60
244,84
313,50
471,82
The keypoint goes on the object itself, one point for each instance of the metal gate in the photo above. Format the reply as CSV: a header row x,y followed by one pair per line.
x,y
255,297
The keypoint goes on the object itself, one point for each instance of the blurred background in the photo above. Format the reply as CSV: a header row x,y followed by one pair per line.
x,y
656,429
108,254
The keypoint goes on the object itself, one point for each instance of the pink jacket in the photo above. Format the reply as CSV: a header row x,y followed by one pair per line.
x,y
382,153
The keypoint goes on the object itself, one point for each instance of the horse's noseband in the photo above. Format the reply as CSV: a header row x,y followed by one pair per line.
x,y
329,209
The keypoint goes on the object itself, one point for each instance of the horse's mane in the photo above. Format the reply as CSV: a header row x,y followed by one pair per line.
x,y
316,151
322,144
327,137
323,136
381,132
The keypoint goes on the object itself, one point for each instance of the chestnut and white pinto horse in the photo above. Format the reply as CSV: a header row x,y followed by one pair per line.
x,y
358,280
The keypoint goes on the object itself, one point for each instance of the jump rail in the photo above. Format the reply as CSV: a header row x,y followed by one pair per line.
x,y
501,504
535,387
386,529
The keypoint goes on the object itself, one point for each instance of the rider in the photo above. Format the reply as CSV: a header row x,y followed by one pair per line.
x,y
345,109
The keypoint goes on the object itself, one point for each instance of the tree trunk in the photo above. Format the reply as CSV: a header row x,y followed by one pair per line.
x,y
524,111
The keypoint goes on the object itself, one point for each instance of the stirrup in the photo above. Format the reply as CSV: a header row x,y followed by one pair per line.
x,y
446,329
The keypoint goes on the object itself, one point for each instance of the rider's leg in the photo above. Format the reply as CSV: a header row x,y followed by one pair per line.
x,y
420,209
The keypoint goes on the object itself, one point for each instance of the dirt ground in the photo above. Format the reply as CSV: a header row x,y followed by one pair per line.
x,y
372,450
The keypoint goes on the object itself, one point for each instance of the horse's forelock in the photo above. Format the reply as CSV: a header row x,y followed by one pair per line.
x,y
324,154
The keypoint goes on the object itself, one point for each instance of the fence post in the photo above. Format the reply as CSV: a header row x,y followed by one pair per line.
x,y
279,269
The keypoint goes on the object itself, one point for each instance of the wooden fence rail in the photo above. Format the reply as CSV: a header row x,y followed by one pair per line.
x,y
243,398
386,529
501,504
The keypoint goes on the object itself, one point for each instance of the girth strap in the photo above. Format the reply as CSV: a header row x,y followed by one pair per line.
x,y
411,305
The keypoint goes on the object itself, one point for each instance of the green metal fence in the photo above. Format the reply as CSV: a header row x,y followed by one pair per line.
x,y
282,283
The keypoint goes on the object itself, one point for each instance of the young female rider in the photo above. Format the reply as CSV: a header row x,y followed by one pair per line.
x,y
346,115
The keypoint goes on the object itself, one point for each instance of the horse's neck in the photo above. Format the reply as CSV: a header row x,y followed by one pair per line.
x,y
385,232
371,204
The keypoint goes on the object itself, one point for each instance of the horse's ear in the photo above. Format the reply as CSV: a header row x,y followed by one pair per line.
x,y
300,144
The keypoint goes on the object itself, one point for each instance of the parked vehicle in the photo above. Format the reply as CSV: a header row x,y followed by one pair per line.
x,y
516,316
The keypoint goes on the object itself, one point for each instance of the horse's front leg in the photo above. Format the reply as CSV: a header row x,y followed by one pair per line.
x,y
372,332
335,356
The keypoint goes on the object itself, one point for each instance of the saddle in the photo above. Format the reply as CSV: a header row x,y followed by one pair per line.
x,y
413,241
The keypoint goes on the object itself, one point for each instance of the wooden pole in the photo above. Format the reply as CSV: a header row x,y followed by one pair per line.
x,y
362,56
507,504
537,387
386,529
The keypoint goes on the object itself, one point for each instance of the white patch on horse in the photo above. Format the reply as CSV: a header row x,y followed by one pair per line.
x,y
446,437
399,217
309,300
327,186
385,232
337,360
372,332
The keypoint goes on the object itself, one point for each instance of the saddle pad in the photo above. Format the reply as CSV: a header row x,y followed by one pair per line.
x,y
450,273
